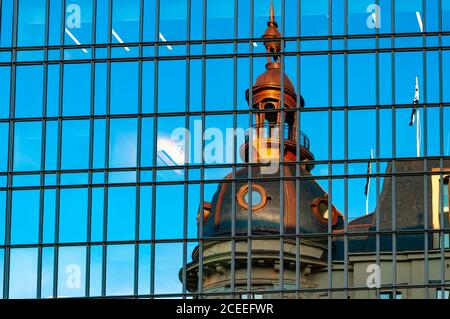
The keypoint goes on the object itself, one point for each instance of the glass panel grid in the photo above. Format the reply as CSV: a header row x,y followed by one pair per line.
x,y
115,118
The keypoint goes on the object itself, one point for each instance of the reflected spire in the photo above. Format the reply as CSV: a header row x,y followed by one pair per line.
x,y
271,33
272,12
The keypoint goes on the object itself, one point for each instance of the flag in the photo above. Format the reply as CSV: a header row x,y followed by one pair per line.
x,y
415,102
369,171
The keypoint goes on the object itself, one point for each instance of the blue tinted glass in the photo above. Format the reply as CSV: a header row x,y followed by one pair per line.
x,y
168,261
124,87
78,22
23,273
73,215
172,79
49,215
6,23
4,133
126,20
120,270
121,213
75,145
53,90
31,22
2,217
169,207
4,91
172,23
123,143
29,91
48,255
25,217
27,146
71,271
77,89
446,196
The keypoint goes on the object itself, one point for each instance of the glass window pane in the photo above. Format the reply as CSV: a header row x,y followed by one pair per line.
x,y
121,213
77,89
172,23
4,135
123,143
126,20
23,273
27,146
120,270
25,217
6,23
29,91
4,91
71,271
78,24
124,87
31,22
169,207
75,144
168,261
73,215
167,85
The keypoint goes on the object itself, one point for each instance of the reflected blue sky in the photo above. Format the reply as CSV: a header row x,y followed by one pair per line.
x,y
172,94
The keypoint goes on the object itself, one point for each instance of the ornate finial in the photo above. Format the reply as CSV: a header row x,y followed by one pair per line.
x,y
272,32
272,12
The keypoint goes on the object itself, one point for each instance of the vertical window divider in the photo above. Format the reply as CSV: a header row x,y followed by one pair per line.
x,y
250,157
233,168
298,274
155,143
346,110
394,154
330,150
107,150
202,162
378,147
7,254
91,151
425,149
187,152
43,155
59,151
139,151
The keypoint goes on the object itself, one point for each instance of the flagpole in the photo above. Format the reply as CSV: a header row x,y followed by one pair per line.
x,y
418,133
369,171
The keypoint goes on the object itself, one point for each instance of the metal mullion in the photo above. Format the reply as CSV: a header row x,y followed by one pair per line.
x,y
202,168
43,146
250,157
330,152
346,244
394,154
441,159
282,139
233,168
91,153
59,155
377,156
425,153
138,153
107,142
7,254
187,152
298,278
154,155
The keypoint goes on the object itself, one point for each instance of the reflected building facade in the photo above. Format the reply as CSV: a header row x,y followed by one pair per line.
x,y
279,235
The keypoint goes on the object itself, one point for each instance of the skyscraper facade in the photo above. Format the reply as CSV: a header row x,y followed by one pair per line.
x,y
224,148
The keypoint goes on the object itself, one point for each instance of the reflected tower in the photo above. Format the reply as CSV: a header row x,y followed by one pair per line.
x,y
265,207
